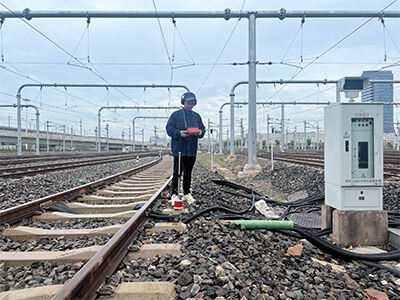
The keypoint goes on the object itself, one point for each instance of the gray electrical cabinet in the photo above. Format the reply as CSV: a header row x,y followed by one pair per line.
x,y
354,155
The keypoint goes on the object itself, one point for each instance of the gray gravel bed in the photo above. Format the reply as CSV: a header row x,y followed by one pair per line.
x,y
51,244
22,190
76,224
289,179
38,274
221,259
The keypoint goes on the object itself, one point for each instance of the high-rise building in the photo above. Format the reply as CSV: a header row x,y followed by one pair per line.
x,y
380,92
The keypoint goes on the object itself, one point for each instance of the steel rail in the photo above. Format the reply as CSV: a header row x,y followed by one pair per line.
x,y
89,278
387,172
19,160
17,213
37,169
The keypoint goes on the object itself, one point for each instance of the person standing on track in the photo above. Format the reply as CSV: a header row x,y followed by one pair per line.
x,y
185,127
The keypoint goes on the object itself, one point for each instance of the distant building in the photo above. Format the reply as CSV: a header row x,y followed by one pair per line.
x,y
380,92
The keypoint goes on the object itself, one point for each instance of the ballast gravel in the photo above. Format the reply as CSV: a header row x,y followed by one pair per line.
x,y
221,259
22,190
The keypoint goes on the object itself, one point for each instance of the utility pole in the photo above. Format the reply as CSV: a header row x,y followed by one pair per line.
x,y
317,136
142,139
282,127
241,135
108,138
287,138
95,134
123,140
305,136
72,142
129,134
295,138
267,133
155,136
47,136
80,126
209,138
9,121
63,138
227,138
272,152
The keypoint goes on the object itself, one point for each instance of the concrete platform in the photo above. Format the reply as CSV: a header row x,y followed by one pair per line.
x,y
142,181
394,237
153,250
59,257
103,199
144,291
125,194
36,293
138,184
60,216
250,170
178,226
172,211
355,228
132,188
33,233
84,208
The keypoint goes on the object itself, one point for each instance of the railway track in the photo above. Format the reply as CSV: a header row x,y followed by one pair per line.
x,y
114,209
12,160
30,170
316,160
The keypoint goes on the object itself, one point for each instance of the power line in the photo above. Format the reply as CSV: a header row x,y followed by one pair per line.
x,y
333,46
69,54
222,50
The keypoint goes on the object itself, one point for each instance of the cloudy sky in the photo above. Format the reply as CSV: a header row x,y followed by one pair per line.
x,y
202,52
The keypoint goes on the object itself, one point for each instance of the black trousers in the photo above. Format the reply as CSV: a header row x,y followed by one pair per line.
x,y
187,163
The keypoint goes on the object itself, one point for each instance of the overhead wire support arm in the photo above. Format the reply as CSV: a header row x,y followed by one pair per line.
x,y
65,85
227,14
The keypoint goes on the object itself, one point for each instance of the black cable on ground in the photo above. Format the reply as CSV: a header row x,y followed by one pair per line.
x,y
336,251
382,267
160,216
221,208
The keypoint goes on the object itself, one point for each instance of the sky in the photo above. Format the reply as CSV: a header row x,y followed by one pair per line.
x,y
203,53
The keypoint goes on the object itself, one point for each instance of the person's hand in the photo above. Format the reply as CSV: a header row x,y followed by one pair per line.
x,y
200,132
184,133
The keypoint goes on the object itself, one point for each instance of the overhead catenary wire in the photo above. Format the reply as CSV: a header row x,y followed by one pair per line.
x,y
333,46
222,50
68,53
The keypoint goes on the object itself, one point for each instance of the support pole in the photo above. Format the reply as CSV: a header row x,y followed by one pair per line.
x,y
209,138
133,135
268,142
123,140
398,136
98,135
142,139
72,141
37,132
108,138
295,138
305,136
232,125
19,140
241,135
317,136
63,149
47,136
282,128
252,116
220,130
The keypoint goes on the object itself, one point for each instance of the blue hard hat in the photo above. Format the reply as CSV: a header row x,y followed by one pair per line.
x,y
188,96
